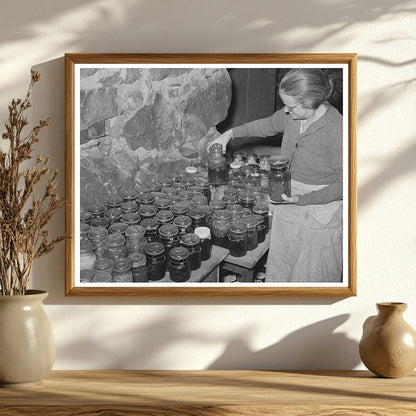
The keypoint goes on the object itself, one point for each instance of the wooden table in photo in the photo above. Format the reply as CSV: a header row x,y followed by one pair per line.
x,y
213,393
245,265
209,270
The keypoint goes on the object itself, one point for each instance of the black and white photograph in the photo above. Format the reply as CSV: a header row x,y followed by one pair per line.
x,y
194,175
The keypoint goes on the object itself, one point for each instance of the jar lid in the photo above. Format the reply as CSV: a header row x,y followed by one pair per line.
x,y
115,240
278,161
129,206
103,264
147,210
135,230
246,196
247,212
186,194
131,217
191,170
146,198
137,259
187,181
231,191
206,208
168,190
86,275
196,189
118,227
235,208
259,218
83,227
182,221
114,201
85,216
86,247
179,186
260,209
217,204
100,222
122,264
250,222
97,232
128,194
196,213
112,213
229,198
179,208
179,253
203,232
162,203
141,189
190,239
153,186
200,199
164,181
235,165
96,208
202,182
176,177
222,214
168,230
154,249
149,224
164,215
264,156
238,228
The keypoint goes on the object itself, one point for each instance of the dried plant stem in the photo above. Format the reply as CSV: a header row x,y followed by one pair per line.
x,y
24,216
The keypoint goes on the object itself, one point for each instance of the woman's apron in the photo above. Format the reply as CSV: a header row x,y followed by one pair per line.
x,y
306,241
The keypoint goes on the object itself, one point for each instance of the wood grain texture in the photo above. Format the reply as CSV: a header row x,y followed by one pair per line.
x,y
203,393
172,58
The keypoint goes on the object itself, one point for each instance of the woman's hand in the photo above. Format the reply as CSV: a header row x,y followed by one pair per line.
x,y
222,140
290,199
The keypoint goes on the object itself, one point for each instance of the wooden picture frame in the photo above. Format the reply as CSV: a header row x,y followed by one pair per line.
x,y
74,63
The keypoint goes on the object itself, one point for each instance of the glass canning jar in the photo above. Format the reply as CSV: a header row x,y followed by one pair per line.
x,y
184,224
239,157
114,201
264,178
251,159
135,239
204,235
118,227
230,199
87,257
151,226
279,178
236,211
139,267
197,216
147,211
122,270
169,191
264,162
247,199
209,212
219,228
164,216
156,261
103,270
97,236
179,265
263,210
261,229
251,227
113,215
204,184
169,236
186,195
200,200
128,195
196,190
116,246
237,240
192,242
217,165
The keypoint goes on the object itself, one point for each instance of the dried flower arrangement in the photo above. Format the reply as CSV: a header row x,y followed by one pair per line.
x,y
28,200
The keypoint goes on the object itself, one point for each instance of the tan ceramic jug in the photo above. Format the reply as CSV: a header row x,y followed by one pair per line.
x,y
388,345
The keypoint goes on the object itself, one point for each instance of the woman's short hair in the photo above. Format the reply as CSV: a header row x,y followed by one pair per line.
x,y
309,85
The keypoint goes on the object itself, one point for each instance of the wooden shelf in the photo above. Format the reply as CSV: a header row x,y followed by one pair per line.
x,y
203,393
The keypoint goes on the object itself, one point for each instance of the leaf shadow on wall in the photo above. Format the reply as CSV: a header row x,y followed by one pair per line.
x,y
316,346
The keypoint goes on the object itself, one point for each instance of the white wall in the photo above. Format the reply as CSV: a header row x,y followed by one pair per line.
x,y
201,333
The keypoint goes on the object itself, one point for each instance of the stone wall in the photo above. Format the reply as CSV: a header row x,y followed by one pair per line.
x,y
136,123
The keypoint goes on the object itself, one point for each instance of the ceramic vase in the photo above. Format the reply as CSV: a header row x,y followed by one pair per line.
x,y
27,347
388,345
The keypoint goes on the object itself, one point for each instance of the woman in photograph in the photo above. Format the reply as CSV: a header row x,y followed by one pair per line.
x,y
306,235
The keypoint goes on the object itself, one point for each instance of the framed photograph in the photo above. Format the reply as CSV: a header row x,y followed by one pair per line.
x,y
211,174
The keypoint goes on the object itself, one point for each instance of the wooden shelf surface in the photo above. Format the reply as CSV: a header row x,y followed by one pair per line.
x,y
203,393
